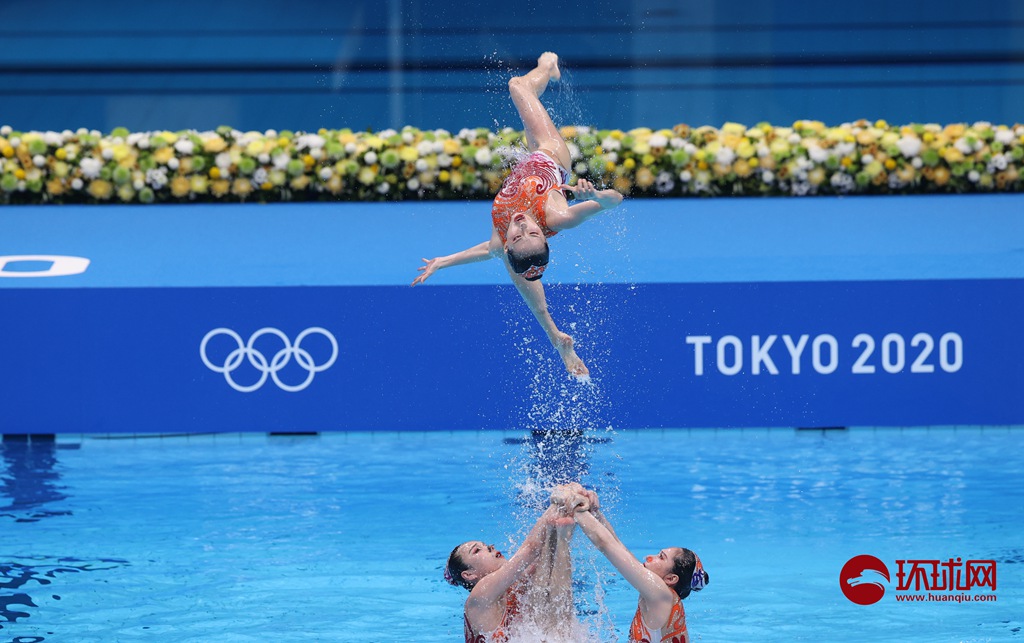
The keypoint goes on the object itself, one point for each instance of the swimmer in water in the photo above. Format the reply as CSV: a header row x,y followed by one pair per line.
x,y
663,579
531,206
531,589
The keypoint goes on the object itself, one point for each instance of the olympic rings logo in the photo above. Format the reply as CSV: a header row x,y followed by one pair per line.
x,y
246,350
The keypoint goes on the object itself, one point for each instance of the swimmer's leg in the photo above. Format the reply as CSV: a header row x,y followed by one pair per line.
x,y
541,133
533,294
563,611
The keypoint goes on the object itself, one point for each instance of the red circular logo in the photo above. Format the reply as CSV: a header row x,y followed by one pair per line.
x,y
863,579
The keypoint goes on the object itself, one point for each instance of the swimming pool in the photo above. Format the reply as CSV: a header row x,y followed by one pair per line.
x,y
341,537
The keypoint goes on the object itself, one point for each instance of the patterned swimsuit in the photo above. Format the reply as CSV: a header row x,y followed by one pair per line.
x,y
526,190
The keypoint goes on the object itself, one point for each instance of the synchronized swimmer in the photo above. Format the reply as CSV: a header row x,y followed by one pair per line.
x,y
531,206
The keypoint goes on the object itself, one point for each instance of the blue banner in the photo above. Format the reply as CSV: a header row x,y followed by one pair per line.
x,y
136,360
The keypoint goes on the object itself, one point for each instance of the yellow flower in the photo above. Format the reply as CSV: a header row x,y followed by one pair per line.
x,y
617,134
890,164
299,182
61,154
214,145
180,186
609,166
956,130
408,154
642,149
644,178
457,161
101,189
199,184
126,192
941,176
456,179
19,174
754,162
346,137
816,176
881,124
215,173
648,159
308,161
163,155
335,184
376,142
55,187
629,164
741,168
443,176
622,184
451,147
170,137
367,176
241,187
745,150
220,187
255,148
734,129
568,131
952,155
907,173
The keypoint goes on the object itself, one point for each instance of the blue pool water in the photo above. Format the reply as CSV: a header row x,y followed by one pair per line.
x,y
341,537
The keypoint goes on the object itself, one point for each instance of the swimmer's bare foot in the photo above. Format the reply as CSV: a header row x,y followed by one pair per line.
x,y
564,344
549,60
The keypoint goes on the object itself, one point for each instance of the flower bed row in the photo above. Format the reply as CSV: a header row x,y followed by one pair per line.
x,y
232,166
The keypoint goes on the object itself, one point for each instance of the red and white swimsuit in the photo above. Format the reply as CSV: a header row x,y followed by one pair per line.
x,y
674,630
500,633
526,190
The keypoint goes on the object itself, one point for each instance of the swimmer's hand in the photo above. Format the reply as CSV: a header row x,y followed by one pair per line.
x,y
431,266
584,190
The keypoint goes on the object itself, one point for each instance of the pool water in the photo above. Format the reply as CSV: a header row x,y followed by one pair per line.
x,y
342,537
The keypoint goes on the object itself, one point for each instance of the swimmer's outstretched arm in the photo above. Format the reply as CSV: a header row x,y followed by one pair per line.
x,y
591,202
480,252
492,587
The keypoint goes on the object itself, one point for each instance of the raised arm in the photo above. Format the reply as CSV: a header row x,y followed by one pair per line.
x,y
656,597
491,588
480,252
591,201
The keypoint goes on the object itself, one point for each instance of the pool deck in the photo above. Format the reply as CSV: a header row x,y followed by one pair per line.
x,y
743,240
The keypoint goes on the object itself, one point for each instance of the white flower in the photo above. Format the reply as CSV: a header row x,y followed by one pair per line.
x,y
316,153
482,156
917,162
842,182
138,184
437,147
312,141
611,157
611,144
107,154
845,148
143,143
725,156
156,178
260,176
184,146
962,145
6,130
384,187
800,188
281,161
866,159
91,167
222,160
370,157
894,181
408,137
816,154
999,162
467,134
76,183
15,142
973,176
763,151
685,176
443,160
677,142
96,133
173,163
413,184
574,150
580,167
39,160
270,133
425,147
691,149
263,158
325,173
768,176
53,139
1004,136
350,148
388,133
658,140
664,183
909,146
982,125
422,165
794,139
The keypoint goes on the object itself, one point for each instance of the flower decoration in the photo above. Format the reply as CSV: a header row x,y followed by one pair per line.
x,y
806,158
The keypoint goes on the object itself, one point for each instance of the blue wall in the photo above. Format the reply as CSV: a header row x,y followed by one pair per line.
x,y
262,64
690,313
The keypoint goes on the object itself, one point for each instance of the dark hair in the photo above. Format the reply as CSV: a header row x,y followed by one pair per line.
x,y
453,570
684,564
522,263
